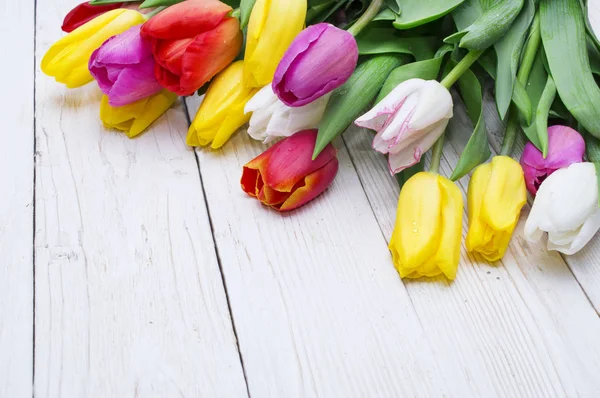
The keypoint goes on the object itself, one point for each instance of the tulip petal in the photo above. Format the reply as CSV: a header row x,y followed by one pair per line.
x,y
84,13
128,88
272,27
186,19
376,118
291,160
409,152
576,239
313,185
505,195
448,253
417,232
156,106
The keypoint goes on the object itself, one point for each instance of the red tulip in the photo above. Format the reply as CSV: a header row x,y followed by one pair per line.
x,y
85,12
284,176
192,41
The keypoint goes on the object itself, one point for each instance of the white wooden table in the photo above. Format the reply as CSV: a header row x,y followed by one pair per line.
x,y
139,268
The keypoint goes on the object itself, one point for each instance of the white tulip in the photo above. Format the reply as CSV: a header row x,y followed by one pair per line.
x,y
566,207
272,119
408,121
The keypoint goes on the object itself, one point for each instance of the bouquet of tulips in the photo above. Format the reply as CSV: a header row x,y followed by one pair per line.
x,y
300,72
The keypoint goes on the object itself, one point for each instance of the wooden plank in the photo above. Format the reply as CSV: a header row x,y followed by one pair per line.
x,y
16,205
585,265
522,327
319,308
130,301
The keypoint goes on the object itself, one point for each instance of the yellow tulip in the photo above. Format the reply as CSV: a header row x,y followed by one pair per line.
x,y
496,196
136,117
428,231
272,27
222,111
67,59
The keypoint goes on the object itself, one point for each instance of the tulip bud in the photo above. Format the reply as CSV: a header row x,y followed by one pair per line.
x,y
428,230
222,110
85,12
67,59
272,27
124,68
566,207
320,59
136,117
495,198
192,41
271,118
408,121
284,177
565,146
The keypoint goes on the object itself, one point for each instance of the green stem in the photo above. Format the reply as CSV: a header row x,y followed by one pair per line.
x,y
531,49
436,155
236,13
366,18
529,54
461,68
154,12
510,135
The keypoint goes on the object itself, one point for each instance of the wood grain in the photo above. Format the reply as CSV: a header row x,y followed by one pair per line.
x,y
129,297
319,308
16,203
522,327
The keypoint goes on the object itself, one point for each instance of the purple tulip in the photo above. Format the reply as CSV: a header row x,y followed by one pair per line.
x,y
565,147
319,60
123,66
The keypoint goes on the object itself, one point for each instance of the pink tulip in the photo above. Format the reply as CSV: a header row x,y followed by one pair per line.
x,y
124,68
284,177
319,60
565,146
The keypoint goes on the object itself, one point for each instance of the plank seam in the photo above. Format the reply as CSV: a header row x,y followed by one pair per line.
x,y
33,199
223,279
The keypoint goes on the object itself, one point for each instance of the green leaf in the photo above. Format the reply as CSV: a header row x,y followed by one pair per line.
x,y
348,101
385,15
535,87
541,113
158,3
483,22
522,101
592,152
427,70
395,5
477,150
415,13
508,50
564,38
405,174
594,55
380,40
246,7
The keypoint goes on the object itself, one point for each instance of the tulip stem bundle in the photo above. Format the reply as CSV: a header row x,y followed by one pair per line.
x,y
366,18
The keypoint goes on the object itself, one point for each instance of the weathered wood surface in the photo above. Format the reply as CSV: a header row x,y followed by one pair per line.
x,y
129,296
16,200
150,261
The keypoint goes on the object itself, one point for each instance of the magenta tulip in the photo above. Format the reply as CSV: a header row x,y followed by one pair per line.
x,y
124,68
565,147
319,60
